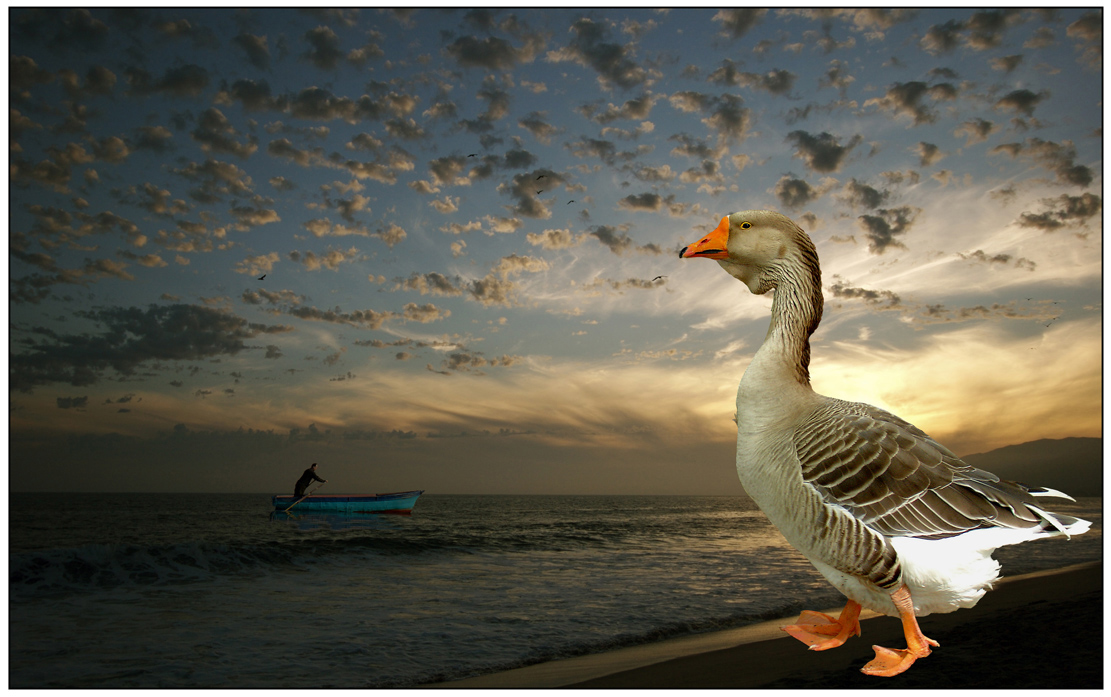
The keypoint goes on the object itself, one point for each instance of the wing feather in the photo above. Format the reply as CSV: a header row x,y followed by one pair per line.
x,y
899,481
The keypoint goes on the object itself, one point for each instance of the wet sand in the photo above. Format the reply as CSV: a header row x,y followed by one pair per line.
x,y
1041,630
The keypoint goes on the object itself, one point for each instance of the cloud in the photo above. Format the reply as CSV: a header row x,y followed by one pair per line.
x,y
977,130
255,47
618,241
1063,211
1021,101
492,52
928,153
324,51
885,225
857,193
78,403
537,124
329,260
1089,30
982,257
638,108
777,82
216,134
982,31
613,62
1059,158
555,239
130,338
257,265
737,22
879,299
188,80
823,152
907,99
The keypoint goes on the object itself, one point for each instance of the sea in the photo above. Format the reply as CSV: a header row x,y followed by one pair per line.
x,y
215,591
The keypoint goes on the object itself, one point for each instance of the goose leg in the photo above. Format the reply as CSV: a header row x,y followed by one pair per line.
x,y
889,662
820,631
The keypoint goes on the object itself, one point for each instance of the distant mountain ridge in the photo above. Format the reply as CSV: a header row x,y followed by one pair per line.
x,y
1071,465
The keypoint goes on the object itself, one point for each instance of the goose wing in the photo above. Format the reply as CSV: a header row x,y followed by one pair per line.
x,y
900,482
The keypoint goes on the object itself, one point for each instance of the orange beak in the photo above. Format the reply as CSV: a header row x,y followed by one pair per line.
x,y
711,246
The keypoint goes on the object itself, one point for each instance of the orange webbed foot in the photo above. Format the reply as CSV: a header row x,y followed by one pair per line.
x,y
820,632
889,662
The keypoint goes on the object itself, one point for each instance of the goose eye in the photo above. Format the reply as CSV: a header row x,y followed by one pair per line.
x,y
745,226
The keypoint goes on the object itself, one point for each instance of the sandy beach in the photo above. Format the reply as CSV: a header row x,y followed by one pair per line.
x,y
1041,630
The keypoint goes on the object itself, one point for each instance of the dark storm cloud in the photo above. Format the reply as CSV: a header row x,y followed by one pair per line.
x,y
1063,211
885,226
735,23
908,99
613,62
823,152
1059,158
129,338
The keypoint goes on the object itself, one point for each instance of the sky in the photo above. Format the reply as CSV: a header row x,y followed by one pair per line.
x,y
437,248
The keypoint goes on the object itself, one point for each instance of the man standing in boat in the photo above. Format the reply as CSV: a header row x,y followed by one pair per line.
x,y
305,480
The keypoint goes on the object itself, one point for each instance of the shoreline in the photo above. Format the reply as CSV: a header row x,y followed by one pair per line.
x,y
1042,629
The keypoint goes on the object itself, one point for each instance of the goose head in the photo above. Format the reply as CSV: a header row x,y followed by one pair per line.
x,y
755,247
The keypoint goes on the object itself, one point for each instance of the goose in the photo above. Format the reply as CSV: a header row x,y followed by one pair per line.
x,y
890,517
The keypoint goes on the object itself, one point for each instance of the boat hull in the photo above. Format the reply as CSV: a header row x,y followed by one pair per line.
x,y
400,502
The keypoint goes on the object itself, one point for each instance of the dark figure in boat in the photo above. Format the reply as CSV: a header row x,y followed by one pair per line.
x,y
305,480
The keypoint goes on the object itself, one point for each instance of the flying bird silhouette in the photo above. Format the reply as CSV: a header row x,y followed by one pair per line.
x,y
539,192
262,277
658,278
541,177
570,202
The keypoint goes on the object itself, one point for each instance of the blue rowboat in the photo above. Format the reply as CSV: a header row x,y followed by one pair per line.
x,y
401,502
